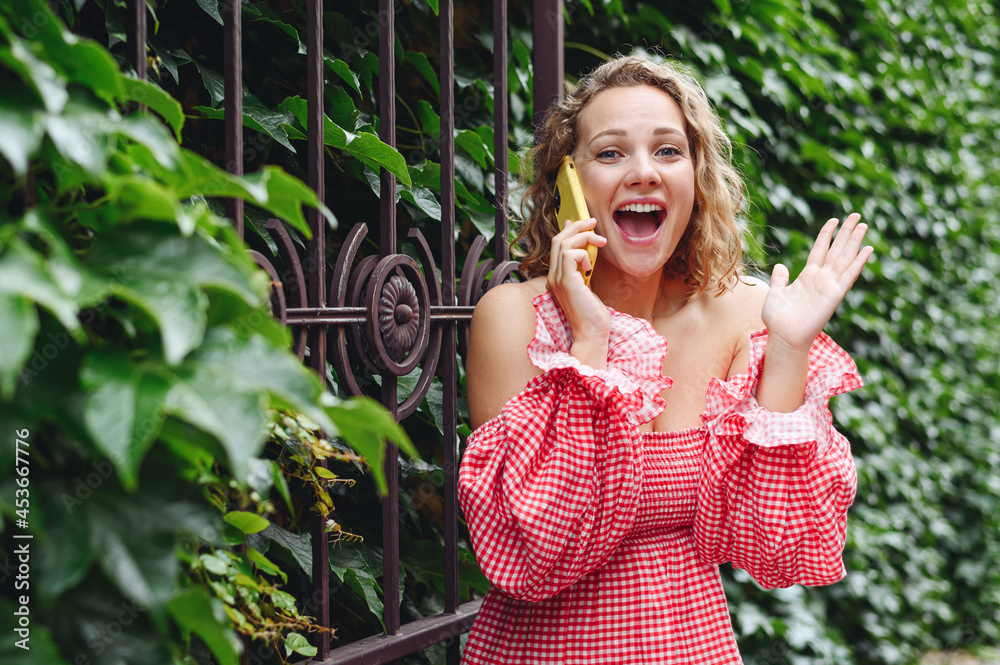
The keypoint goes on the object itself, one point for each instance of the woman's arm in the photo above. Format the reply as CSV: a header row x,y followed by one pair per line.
x,y
794,314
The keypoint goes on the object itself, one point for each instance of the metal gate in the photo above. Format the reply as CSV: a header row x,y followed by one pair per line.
x,y
406,316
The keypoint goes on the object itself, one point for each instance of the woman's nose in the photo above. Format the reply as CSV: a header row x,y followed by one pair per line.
x,y
643,173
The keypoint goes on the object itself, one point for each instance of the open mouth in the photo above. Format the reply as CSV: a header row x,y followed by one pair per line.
x,y
639,220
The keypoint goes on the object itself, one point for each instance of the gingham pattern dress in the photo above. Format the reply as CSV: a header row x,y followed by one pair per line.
x,y
603,543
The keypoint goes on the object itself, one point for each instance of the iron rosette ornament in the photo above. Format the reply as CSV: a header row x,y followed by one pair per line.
x,y
397,335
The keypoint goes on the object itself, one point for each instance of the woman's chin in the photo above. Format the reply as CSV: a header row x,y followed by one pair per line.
x,y
632,264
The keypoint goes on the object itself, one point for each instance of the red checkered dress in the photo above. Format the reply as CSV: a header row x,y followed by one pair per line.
x,y
603,543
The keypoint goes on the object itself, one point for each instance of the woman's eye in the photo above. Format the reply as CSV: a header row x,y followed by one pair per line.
x,y
669,152
608,154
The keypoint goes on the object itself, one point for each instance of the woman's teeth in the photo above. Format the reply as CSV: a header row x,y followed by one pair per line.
x,y
641,207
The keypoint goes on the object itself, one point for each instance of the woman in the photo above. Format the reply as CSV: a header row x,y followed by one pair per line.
x,y
601,495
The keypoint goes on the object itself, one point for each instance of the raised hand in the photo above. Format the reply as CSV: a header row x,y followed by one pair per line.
x,y
795,313
587,315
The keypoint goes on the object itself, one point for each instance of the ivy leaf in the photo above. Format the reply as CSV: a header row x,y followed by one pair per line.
x,y
140,561
265,564
142,198
424,200
423,65
171,57
164,274
228,373
295,643
213,81
263,12
245,521
472,143
333,134
179,308
64,569
256,116
368,148
122,410
365,146
270,188
427,175
365,425
211,8
144,130
344,71
259,476
40,75
18,327
88,63
257,365
215,403
286,195
299,545
342,108
430,121
197,612
21,132
25,273
80,136
354,568
153,96
280,483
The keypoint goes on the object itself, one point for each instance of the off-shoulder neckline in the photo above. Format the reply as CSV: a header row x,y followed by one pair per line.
x,y
682,433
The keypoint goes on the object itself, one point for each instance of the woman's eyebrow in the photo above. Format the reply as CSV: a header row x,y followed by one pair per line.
x,y
617,131
614,131
669,130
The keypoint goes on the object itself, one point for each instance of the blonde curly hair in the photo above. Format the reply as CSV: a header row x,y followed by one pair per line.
x,y
709,254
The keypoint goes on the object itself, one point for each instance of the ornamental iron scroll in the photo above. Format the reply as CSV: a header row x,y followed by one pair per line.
x,y
478,277
288,286
393,303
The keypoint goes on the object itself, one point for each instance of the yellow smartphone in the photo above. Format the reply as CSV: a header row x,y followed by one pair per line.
x,y
572,206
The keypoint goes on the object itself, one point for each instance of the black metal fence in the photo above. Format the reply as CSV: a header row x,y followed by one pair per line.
x,y
385,309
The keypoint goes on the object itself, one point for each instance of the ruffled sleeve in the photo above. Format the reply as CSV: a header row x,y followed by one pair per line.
x,y
550,487
775,487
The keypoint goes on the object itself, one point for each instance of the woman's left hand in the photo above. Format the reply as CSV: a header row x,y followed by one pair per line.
x,y
795,313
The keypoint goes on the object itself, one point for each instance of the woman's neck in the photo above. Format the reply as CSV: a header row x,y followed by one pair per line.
x,y
646,297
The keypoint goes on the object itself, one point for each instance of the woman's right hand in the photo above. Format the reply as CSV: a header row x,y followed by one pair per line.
x,y
588,317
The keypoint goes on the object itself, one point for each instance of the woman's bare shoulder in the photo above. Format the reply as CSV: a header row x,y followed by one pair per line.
x,y
509,300
750,292
738,312
497,365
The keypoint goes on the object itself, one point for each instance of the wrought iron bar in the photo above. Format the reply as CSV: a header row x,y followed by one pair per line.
x,y
317,290
500,234
232,40
547,57
137,38
335,316
387,132
448,345
232,45
412,637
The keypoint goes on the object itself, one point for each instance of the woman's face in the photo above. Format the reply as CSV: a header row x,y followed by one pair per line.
x,y
637,170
